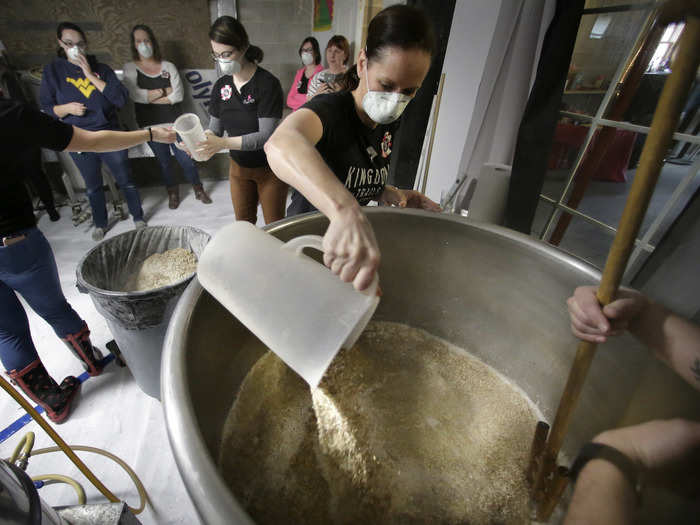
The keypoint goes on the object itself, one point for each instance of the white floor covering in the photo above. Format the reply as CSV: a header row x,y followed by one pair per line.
x,y
112,413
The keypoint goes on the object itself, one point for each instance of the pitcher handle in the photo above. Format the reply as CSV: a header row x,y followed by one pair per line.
x,y
298,244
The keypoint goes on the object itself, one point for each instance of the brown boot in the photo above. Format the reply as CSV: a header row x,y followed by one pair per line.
x,y
82,348
200,194
55,399
173,197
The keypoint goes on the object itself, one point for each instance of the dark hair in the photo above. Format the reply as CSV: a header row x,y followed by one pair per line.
x,y
314,44
59,32
400,26
229,31
152,38
341,43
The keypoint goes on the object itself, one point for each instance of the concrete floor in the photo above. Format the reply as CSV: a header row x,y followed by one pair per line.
x,y
112,413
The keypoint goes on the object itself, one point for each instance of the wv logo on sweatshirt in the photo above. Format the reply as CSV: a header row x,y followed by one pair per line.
x,y
83,85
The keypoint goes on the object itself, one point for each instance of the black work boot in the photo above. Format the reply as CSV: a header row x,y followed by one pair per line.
x,y
36,382
82,348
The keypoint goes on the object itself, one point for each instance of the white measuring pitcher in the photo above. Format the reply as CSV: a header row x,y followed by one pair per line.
x,y
295,305
190,130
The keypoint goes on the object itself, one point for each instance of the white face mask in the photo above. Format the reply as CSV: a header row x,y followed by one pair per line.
x,y
307,58
383,107
145,50
73,52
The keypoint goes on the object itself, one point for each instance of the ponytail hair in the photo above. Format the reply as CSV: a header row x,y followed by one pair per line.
x,y
254,54
350,80
229,31
399,26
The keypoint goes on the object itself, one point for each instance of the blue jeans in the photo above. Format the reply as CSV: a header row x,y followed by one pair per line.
x,y
28,267
162,153
90,165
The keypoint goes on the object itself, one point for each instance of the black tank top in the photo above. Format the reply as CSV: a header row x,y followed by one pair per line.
x,y
151,114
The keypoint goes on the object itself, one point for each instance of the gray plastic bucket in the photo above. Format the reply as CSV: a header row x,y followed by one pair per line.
x,y
137,320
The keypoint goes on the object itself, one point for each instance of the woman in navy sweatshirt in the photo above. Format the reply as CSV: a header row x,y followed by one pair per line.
x,y
80,91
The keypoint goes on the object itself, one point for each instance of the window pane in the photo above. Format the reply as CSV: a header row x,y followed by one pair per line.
x,y
658,57
668,33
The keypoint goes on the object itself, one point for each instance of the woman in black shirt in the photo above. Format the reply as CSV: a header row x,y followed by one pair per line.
x,y
246,102
27,264
335,150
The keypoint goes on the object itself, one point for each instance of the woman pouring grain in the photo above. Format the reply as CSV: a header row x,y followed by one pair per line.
x,y
336,149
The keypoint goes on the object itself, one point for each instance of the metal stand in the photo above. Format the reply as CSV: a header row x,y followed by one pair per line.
x,y
80,215
114,194
116,352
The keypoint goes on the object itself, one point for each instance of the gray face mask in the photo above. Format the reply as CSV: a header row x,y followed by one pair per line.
x,y
228,67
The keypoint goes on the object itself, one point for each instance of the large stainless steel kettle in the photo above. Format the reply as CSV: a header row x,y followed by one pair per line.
x,y
495,292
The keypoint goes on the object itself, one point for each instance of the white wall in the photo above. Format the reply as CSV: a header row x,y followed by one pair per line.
x,y
278,27
473,27
492,52
502,96
346,20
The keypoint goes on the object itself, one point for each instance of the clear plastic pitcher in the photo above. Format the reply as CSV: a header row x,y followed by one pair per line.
x,y
293,304
190,130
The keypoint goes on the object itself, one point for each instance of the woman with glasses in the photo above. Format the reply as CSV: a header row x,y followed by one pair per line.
x,y
156,89
246,102
85,93
310,55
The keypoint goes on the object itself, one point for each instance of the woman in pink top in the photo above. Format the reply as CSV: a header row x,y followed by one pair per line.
x,y
310,54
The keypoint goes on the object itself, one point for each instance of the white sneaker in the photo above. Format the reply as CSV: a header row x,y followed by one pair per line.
x,y
98,234
140,224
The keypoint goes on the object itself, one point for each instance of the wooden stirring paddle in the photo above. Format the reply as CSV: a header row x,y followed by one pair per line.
x,y
550,480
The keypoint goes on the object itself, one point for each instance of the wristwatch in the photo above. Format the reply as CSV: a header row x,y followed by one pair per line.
x,y
592,450
164,92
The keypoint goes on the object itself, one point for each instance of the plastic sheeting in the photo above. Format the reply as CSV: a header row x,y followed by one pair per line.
x,y
105,270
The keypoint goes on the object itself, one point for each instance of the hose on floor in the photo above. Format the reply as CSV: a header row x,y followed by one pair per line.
x,y
23,449
49,479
